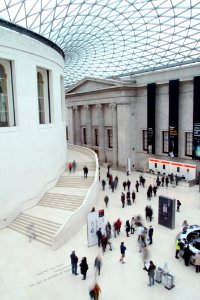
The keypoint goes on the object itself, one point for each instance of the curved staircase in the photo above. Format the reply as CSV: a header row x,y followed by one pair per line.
x,y
58,205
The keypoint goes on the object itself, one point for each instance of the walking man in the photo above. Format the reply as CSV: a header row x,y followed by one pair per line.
x,y
122,250
106,200
150,234
151,273
74,262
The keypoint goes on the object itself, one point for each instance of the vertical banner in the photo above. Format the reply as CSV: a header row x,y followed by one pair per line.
x,y
196,119
173,117
166,212
151,100
95,220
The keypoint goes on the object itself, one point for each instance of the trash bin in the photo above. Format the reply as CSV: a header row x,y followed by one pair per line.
x,y
158,275
169,281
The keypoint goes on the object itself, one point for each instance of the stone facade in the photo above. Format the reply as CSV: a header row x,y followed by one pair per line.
x,y
117,110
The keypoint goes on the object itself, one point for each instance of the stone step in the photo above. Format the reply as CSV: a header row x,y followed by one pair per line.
x,y
59,206
73,182
40,220
64,197
64,202
36,237
26,223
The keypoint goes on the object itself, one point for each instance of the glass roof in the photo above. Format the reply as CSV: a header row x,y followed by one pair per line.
x,y
113,38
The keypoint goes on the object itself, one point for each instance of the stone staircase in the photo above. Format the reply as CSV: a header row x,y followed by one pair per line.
x,y
73,181
37,228
61,201
65,197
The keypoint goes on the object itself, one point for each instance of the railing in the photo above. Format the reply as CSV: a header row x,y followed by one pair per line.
x,y
78,219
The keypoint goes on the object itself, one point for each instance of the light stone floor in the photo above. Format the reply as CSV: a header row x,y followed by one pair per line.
x,y
31,271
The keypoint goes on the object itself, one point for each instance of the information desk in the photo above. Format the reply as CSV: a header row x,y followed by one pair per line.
x,y
191,236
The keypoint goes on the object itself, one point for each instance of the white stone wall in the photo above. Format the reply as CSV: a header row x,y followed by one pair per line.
x,y
33,155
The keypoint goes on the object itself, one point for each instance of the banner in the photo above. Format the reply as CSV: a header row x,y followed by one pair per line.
x,y
173,117
166,212
151,98
95,220
196,119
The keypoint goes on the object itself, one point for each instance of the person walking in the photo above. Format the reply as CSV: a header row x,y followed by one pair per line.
x,y
84,267
151,273
123,199
132,225
178,205
85,171
70,167
197,262
122,250
127,228
97,265
133,196
106,200
128,183
137,186
178,248
96,291
74,262
103,184
99,236
74,166
124,185
150,235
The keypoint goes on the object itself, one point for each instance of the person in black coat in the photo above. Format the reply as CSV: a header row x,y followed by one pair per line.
x,y
127,227
150,234
84,267
74,262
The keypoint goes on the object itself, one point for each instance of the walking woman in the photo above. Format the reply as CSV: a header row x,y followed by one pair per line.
x,y
84,267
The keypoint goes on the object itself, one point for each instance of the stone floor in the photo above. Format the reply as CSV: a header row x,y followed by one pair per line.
x,y
31,270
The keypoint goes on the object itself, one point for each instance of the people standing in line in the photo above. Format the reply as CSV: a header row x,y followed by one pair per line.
x,y
70,167
103,182
127,228
197,262
74,262
106,200
96,291
122,250
124,185
85,171
84,267
74,166
151,273
133,196
132,225
99,236
150,235
97,265
137,186
123,199
178,203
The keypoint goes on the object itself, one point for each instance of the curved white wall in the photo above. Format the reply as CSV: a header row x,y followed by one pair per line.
x,y
32,155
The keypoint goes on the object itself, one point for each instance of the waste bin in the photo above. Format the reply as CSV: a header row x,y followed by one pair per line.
x,y
158,275
169,281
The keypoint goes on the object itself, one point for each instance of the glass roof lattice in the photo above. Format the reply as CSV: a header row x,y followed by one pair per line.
x,y
113,38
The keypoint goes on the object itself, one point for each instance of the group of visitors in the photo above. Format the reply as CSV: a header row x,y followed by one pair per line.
x,y
72,166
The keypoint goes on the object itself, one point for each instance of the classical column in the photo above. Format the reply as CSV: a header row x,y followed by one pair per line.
x,y
70,125
113,106
88,125
77,125
102,155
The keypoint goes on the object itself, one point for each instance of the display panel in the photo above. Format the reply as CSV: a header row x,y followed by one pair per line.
x,y
196,119
166,212
151,98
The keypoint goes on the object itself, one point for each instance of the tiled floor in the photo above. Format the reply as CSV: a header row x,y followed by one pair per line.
x,y
35,271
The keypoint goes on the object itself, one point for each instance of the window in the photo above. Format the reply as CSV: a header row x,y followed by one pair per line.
x,y
144,133
84,136
96,137
188,144
62,91
110,138
7,115
165,139
44,107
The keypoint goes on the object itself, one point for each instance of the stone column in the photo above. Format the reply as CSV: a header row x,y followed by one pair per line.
x,y
70,125
102,156
88,125
77,125
113,106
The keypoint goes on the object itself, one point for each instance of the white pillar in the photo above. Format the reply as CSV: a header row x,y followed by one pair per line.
x,y
102,155
77,125
88,125
113,106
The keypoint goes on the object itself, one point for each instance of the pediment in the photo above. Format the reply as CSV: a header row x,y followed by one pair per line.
x,y
92,84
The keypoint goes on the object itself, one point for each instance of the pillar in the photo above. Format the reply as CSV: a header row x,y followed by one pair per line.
x,y
113,106
102,156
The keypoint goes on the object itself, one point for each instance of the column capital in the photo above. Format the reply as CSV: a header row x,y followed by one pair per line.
x,y
112,105
99,106
86,107
76,107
